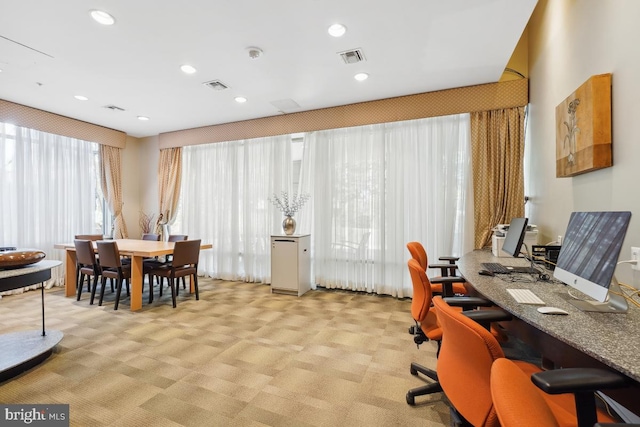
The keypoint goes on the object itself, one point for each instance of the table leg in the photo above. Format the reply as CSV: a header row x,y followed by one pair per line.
x,y
70,273
136,282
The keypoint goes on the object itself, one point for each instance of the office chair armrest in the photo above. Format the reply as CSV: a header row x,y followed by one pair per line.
x,y
448,279
572,380
468,302
445,269
485,317
447,283
451,259
443,265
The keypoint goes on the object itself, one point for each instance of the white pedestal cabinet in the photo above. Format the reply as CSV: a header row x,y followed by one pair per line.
x,y
291,264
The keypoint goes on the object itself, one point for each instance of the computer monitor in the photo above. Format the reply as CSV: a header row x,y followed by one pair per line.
x,y
589,256
515,236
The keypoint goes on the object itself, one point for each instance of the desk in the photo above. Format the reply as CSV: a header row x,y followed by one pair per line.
x,y
136,249
579,339
22,350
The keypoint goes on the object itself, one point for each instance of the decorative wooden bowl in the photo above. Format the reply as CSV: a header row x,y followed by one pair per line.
x,y
20,257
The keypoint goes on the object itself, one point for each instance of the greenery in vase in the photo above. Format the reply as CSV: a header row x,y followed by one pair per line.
x,y
289,206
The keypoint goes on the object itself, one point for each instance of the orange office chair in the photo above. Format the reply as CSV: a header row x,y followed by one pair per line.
x,y
519,403
427,328
464,370
418,253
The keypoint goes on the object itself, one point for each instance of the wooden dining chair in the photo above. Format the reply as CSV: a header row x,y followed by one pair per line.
x,y
112,268
176,238
93,238
149,262
87,266
186,254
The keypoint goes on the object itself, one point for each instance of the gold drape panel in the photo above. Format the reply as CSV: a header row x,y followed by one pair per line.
x,y
111,183
497,140
169,176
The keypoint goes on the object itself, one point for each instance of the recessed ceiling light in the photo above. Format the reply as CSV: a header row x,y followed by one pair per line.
x,y
102,17
241,99
188,69
337,30
143,118
361,76
81,98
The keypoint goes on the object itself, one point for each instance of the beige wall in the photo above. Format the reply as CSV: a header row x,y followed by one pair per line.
x,y
131,185
149,176
140,181
569,41
519,60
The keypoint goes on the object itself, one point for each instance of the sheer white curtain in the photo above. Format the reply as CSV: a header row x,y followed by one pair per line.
x,y
224,200
375,188
48,190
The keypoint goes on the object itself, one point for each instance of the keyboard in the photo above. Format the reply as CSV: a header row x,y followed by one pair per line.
x,y
525,296
497,268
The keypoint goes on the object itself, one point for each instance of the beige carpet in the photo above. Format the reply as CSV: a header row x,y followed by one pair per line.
x,y
240,356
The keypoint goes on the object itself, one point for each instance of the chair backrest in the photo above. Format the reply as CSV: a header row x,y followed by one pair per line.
x,y
464,365
517,401
109,254
177,237
421,302
186,252
84,252
418,253
147,236
92,237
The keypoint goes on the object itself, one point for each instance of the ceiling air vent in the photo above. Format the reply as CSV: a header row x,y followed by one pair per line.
x,y
352,56
113,108
216,85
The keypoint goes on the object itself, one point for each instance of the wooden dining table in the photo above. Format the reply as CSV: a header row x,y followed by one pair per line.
x,y
136,249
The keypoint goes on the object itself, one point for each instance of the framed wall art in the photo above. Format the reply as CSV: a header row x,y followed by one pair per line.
x,y
583,128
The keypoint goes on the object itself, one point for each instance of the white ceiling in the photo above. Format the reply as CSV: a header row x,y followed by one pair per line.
x,y
52,50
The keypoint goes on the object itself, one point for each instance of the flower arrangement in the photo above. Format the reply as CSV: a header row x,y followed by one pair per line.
x,y
289,206
145,222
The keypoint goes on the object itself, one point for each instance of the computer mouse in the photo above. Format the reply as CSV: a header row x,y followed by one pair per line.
x,y
551,310
485,273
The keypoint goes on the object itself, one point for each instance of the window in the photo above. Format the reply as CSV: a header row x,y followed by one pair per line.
x,y
49,190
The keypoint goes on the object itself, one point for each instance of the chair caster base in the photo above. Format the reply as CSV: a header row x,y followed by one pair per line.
x,y
422,391
411,400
